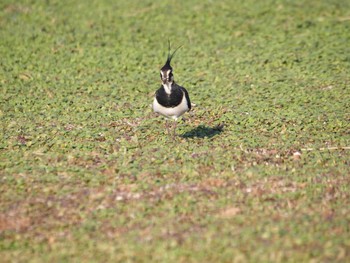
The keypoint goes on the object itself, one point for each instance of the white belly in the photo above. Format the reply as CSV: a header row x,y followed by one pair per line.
x,y
173,113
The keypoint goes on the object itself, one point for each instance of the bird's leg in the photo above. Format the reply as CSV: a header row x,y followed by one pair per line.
x,y
175,125
167,126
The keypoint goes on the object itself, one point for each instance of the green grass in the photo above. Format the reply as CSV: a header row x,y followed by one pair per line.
x,y
88,174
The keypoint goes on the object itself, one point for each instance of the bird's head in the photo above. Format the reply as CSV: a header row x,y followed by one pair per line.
x,y
166,72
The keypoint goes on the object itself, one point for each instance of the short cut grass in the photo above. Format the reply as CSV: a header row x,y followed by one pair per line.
x,y
260,171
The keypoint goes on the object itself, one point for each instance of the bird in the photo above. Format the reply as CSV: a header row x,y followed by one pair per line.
x,y
170,100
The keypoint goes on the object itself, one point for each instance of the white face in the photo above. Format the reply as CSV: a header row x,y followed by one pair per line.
x,y
166,76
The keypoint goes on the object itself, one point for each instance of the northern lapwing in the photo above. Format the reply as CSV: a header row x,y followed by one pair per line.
x,y
171,100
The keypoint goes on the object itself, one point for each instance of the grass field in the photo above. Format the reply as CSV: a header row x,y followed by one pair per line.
x,y
260,171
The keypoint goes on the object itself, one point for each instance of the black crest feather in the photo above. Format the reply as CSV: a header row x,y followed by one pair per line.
x,y
170,56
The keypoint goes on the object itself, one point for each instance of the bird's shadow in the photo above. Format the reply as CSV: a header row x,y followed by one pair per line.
x,y
203,131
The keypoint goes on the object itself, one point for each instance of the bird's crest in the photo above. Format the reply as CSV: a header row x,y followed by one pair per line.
x,y
170,56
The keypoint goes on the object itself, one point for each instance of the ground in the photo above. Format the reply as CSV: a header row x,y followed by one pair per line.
x,y
260,171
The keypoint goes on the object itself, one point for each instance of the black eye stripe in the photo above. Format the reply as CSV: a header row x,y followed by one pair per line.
x,y
166,74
